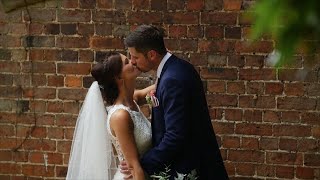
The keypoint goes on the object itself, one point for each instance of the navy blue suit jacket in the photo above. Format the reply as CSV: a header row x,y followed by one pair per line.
x,y
182,133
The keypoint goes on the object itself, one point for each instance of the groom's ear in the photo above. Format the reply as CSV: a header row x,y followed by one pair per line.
x,y
152,54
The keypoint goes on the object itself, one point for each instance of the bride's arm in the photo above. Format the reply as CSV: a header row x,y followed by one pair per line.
x,y
122,127
139,95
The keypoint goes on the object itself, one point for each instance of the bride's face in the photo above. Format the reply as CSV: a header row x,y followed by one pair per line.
x,y
128,70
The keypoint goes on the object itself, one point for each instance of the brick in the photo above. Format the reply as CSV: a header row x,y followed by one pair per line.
x,y
310,118
274,88
38,41
195,4
42,93
5,131
106,43
313,90
39,144
37,106
246,18
288,144
5,155
103,29
22,80
69,55
252,116
181,18
311,159
219,73
217,60
18,29
41,15
284,158
291,116
104,4
177,31
6,79
18,55
271,116
141,4
9,168
298,103
36,28
66,120
257,74
233,114
73,42
217,46
214,5
215,32
216,86
261,46
64,146
62,171
198,59
265,170
245,169
71,107
223,127
284,172
316,131
38,170
232,5
195,32
218,18
74,15
12,67
85,29
158,5
222,100
233,33
87,4
39,67
257,102
10,41
144,17
246,156
52,55
236,61
291,130
255,88
121,30
68,29
172,44
123,5
305,173
176,4
253,129
74,68
68,133
55,106
297,75
231,142
71,94
55,133
235,87
73,81
86,56
250,143
118,17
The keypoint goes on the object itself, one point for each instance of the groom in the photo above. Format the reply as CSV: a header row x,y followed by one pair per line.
x,y
182,133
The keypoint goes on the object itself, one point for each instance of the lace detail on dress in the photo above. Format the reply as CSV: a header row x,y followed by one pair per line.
x,y
142,130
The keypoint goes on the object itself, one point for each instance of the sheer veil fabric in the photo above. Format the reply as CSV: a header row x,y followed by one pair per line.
x,y
91,155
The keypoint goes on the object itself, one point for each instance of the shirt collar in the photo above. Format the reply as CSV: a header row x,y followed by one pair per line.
x,y
163,61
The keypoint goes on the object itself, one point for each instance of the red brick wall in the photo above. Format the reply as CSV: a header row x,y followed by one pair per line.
x,y
267,120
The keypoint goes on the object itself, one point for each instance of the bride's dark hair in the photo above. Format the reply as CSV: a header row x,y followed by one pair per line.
x,y
106,73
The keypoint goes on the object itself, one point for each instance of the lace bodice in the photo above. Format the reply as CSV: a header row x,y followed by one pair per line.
x,y
142,130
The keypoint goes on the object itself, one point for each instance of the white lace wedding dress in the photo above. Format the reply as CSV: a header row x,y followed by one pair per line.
x,y
142,133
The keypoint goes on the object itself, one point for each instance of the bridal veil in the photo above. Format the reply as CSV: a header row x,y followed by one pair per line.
x,y
91,155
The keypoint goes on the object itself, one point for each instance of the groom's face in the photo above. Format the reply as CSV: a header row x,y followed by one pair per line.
x,y
142,62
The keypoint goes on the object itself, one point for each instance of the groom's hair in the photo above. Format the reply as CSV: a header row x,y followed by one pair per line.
x,y
145,38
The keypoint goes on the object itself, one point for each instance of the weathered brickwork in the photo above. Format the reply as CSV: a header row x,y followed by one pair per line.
x,y
267,120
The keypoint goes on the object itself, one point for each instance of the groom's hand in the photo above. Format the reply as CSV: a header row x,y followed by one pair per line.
x,y
124,169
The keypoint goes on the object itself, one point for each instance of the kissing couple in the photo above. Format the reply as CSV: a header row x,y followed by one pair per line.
x,y
118,142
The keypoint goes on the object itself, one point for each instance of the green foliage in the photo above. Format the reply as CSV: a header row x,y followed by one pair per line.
x,y
292,24
164,175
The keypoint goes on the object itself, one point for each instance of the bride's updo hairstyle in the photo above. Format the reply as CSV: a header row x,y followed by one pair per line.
x,y
106,73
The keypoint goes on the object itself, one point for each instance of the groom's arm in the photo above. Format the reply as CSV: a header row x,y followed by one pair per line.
x,y
174,103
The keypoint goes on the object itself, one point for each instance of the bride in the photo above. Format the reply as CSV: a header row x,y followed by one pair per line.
x,y
123,125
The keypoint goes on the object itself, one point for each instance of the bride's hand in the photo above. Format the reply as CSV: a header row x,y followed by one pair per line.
x,y
124,169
